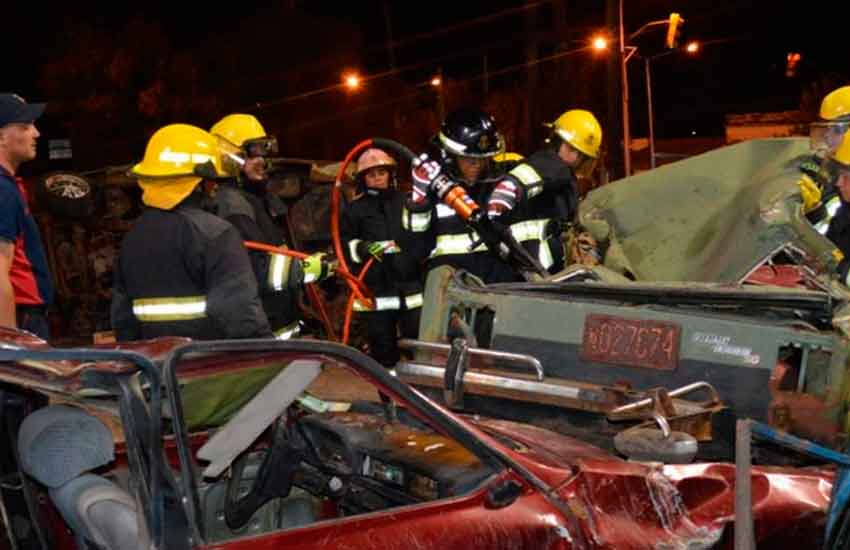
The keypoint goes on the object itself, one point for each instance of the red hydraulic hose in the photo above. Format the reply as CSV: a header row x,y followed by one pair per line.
x,y
311,291
357,287
349,306
319,304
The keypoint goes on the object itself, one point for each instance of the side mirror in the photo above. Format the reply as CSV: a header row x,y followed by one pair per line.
x,y
502,493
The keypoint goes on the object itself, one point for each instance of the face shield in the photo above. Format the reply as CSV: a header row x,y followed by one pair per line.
x,y
260,147
232,158
825,137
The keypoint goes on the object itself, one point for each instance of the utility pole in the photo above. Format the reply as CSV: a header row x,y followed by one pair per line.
x,y
612,131
624,92
651,119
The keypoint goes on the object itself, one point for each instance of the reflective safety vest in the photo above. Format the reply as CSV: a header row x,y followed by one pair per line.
x,y
470,243
279,270
530,179
181,308
383,303
290,331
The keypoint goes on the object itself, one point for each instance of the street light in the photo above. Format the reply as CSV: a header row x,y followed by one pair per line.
x,y
674,26
600,43
351,81
436,81
692,47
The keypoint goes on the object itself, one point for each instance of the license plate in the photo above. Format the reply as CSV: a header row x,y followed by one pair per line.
x,y
632,342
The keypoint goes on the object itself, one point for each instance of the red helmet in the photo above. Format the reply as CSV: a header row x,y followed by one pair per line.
x,y
371,158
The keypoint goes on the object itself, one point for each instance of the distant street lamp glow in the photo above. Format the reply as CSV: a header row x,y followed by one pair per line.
x,y
692,47
600,43
436,81
352,81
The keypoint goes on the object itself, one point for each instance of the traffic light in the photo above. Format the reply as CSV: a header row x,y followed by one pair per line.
x,y
674,30
792,61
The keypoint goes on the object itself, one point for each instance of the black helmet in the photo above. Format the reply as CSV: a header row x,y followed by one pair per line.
x,y
470,133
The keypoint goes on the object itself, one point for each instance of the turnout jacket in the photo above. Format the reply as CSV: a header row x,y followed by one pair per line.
x,y
278,277
537,197
377,217
185,272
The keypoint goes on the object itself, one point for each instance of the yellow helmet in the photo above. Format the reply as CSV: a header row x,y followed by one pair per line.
x,y
836,104
242,136
238,128
177,158
581,130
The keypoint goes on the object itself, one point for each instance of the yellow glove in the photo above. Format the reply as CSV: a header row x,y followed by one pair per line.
x,y
810,192
317,267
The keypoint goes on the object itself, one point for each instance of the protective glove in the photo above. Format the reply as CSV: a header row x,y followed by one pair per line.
x,y
376,249
810,192
317,267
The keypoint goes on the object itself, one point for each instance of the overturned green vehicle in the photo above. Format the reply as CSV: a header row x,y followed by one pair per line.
x,y
680,329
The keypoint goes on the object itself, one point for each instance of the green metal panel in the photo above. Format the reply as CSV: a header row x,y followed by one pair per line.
x,y
713,217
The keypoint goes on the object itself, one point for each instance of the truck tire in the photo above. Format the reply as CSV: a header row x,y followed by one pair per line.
x,y
68,195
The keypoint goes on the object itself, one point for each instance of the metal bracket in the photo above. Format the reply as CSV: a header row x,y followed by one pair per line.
x,y
456,365
516,358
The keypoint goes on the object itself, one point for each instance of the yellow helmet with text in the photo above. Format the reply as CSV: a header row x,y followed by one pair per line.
x,y
836,104
581,130
177,158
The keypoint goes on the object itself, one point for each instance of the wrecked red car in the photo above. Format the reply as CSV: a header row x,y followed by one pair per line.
x,y
308,444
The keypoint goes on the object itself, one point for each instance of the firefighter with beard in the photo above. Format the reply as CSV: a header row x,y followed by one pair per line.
x,y
370,227
821,198
245,202
182,271
539,196
466,146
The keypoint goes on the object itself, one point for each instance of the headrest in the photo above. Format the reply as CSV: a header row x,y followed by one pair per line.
x,y
58,443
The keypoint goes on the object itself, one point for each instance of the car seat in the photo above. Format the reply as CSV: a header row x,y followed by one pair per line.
x,y
58,445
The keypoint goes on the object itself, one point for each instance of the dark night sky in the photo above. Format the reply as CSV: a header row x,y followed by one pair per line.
x,y
740,70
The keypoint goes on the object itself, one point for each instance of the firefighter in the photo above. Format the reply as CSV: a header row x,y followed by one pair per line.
x,y
466,145
182,271
821,199
539,195
839,226
244,201
370,227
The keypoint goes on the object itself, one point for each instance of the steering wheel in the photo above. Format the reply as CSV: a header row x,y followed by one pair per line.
x,y
273,480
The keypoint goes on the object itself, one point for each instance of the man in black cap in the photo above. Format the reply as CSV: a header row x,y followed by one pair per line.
x,y
26,288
